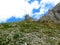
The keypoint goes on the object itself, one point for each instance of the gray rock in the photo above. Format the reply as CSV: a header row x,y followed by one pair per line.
x,y
53,15
28,18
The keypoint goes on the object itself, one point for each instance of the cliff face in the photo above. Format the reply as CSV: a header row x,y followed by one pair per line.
x,y
53,15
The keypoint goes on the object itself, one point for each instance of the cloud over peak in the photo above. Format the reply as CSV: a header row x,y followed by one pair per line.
x,y
19,8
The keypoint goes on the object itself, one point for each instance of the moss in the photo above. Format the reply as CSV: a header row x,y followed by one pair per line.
x,y
16,36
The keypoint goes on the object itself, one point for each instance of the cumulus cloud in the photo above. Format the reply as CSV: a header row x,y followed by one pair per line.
x,y
45,5
10,8
19,8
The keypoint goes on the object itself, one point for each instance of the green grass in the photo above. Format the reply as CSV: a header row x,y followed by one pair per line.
x,y
18,33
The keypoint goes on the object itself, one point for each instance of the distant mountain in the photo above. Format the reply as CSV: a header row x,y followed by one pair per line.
x,y
28,18
13,19
53,15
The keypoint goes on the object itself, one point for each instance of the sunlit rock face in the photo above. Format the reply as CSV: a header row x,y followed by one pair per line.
x,y
53,15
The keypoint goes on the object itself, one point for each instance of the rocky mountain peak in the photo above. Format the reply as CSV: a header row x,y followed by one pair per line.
x,y
28,18
53,15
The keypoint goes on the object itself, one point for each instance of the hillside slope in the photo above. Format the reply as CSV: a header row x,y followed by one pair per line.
x,y
29,33
45,31
52,15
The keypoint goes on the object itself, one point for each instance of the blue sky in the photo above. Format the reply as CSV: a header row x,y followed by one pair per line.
x,y
13,10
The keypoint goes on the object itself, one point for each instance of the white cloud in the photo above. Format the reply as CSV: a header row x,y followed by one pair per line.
x,y
42,6
18,8
50,1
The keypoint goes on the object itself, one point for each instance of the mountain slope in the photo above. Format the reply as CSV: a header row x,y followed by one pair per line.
x,y
30,32
53,15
